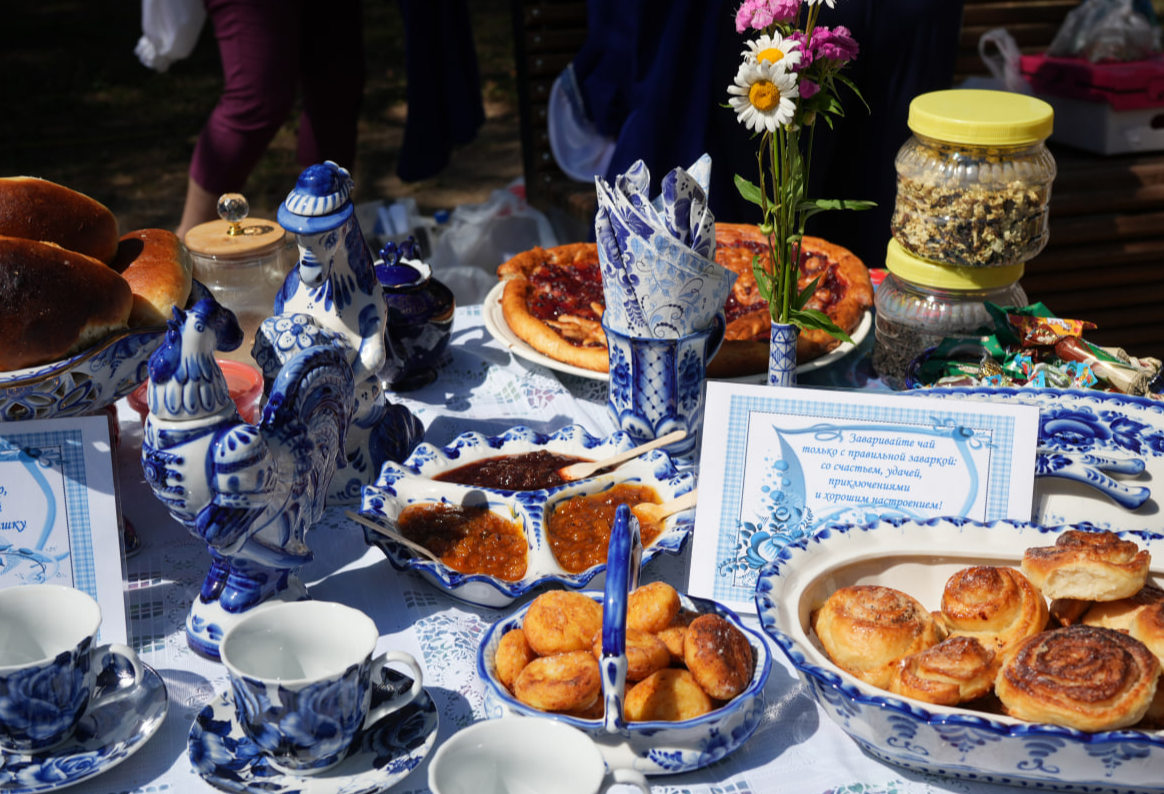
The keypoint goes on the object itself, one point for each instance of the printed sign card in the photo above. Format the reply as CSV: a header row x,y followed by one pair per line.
x,y
778,464
58,512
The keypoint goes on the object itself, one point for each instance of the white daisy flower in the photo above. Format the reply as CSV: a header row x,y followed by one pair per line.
x,y
829,3
763,96
774,49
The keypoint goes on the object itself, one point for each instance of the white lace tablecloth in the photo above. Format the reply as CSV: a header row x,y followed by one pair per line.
x,y
481,387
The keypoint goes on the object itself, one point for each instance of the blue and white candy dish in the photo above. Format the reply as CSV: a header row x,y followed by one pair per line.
x,y
917,557
86,382
401,485
381,756
653,747
106,735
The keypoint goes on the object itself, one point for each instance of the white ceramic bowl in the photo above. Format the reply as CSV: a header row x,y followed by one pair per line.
x,y
917,558
400,485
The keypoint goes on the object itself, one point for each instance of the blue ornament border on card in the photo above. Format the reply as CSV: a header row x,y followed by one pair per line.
x,y
735,571
66,449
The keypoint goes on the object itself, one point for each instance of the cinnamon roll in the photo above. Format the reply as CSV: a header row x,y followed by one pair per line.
x,y
954,671
1093,566
1122,613
1081,677
866,629
997,606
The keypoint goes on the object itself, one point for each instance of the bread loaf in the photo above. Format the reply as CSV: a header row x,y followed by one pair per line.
x,y
55,303
157,266
36,209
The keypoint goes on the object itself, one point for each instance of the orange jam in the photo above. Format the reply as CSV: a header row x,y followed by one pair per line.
x,y
579,528
467,539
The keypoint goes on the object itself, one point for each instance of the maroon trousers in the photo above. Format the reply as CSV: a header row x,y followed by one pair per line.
x,y
271,49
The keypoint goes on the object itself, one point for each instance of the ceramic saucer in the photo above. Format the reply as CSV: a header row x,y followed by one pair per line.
x,y
380,757
104,738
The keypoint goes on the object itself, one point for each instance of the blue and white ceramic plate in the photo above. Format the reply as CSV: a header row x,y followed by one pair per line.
x,y
380,757
400,485
917,558
104,738
1101,455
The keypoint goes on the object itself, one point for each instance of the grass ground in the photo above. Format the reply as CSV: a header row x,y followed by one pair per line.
x,y
80,109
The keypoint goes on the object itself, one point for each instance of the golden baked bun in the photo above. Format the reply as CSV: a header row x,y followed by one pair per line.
x,y
1148,627
1121,614
1081,677
158,268
954,671
866,629
1067,612
56,302
997,606
1091,566
37,209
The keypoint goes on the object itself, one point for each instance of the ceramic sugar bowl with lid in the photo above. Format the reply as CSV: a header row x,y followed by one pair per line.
x,y
420,317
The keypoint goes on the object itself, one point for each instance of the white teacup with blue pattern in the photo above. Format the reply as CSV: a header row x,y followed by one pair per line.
x,y
301,675
49,665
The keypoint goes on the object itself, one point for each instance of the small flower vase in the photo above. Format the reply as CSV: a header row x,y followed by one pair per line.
x,y
782,355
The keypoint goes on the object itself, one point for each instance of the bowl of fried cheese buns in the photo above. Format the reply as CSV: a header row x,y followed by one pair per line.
x,y
1008,652
664,683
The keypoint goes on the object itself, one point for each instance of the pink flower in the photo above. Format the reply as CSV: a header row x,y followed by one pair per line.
x,y
808,88
806,55
836,44
759,14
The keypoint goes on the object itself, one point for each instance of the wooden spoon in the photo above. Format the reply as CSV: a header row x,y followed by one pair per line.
x,y
652,513
396,536
578,471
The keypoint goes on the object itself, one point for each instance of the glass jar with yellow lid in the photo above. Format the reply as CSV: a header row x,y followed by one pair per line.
x,y
921,303
974,179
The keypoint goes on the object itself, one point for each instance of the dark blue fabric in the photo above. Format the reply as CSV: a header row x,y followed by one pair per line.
x,y
445,108
655,74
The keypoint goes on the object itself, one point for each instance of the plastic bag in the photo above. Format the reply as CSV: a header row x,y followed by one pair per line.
x,y
1106,30
485,235
1001,54
170,30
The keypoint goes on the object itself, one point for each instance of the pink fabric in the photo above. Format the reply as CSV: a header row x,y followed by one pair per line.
x,y
270,49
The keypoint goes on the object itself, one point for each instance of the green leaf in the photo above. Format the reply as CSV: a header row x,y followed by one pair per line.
x,y
812,319
749,191
805,294
834,204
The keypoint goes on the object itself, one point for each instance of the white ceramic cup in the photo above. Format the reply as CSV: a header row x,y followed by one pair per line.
x,y
301,674
49,664
523,755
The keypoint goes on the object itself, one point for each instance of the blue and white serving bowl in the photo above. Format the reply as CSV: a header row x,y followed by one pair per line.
x,y
401,485
654,747
917,558
86,382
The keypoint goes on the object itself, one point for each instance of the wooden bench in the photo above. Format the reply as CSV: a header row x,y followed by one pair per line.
x,y
1105,259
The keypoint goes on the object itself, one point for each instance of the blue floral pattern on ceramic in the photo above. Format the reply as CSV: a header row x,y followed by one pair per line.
x,y
334,288
41,704
105,736
420,317
658,257
411,482
379,757
84,383
782,355
1088,436
250,492
656,385
954,742
653,748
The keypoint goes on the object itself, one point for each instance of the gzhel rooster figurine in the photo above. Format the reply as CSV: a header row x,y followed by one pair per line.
x,y
332,298
249,491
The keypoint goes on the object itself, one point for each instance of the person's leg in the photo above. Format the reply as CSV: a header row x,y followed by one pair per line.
x,y
331,72
258,42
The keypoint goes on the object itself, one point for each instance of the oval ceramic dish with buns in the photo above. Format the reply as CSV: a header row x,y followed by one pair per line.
x,y
411,482
918,558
